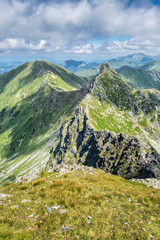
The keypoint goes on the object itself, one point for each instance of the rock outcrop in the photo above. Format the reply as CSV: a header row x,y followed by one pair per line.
x,y
119,154
126,155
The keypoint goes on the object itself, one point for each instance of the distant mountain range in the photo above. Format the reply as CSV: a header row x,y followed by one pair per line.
x,y
75,66
84,69
7,66
134,60
144,77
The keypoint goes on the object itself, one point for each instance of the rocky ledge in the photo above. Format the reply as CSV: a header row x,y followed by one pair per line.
x,y
119,154
150,182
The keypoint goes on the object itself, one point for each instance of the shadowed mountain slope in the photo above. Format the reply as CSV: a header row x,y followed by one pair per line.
x,y
48,112
34,99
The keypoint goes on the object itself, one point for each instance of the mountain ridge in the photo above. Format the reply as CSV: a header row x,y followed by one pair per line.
x,y
140,78
69,123
153,66
81,143
32,104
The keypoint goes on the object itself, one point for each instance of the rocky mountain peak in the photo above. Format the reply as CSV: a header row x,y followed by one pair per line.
x,y
104,67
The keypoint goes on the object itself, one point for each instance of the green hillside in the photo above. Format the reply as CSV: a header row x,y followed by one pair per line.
x,y
113,128
34,98
139,78
54,121
89,72
153,66
50,116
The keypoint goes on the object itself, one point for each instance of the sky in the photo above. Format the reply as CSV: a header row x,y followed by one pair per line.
x,y
89,30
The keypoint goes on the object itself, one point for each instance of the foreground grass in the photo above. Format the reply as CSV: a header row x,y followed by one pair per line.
x,y
99,206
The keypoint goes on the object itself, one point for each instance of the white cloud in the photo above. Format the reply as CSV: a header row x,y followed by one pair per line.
x,y
70,25
85,48
132,45
16,43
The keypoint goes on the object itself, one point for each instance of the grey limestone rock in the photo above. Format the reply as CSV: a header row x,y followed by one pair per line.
x,y
119,154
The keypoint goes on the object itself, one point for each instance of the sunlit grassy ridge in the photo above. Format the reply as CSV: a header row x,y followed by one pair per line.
x,y
115,106
113,128
98,206
105,116
36,98
33,99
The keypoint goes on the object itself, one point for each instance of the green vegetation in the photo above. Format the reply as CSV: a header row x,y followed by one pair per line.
x,y
143,121
113,89
153,66
34,98
98,206
139,78
105,116
89,72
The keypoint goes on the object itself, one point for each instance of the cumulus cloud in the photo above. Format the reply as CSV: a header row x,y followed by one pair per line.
x,y
16,43
136,45
68,26
84,48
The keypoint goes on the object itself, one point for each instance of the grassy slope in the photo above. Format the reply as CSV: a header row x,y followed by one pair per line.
x,y
34,97
154,66
120,209
89,72
117,107
105,116
30,117
138,78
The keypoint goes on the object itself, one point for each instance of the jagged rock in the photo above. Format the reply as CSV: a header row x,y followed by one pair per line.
x,y
62,211
150,182
50,209
35,173
25,200
55,207
64,229
103,68
2,195
121,154
89,222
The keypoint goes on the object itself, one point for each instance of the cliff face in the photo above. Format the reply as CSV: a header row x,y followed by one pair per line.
x,y
120,154
107,124
108,130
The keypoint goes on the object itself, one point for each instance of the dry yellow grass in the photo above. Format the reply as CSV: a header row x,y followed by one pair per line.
x,y
98,206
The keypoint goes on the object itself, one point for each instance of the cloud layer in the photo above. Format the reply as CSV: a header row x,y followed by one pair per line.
x,y
71,26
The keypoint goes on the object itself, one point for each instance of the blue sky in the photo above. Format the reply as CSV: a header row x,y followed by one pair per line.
x,y
91,30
